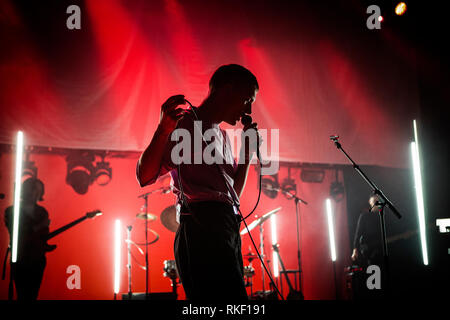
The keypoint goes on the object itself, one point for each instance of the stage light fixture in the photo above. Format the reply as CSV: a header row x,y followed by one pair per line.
x,y
29,168
270,186
312,175
117,255
331,229
289,185
419,193
102,173
400,9
17,193
273,227
337,189
80,171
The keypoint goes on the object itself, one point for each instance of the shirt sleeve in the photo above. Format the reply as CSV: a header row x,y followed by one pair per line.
x,y
358,232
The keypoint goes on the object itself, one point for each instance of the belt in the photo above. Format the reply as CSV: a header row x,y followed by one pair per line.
x,y
184,210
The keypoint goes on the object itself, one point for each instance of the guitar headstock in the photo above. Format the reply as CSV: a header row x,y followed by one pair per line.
x,y
92,214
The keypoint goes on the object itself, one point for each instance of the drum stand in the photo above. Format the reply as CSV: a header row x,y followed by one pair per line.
x,y
145,196
249,281
261,241
129,260
174,285
265,294
146,246
173,275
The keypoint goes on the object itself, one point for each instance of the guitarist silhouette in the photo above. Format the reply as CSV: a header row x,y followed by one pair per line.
x,y
367,241
28,271
34,223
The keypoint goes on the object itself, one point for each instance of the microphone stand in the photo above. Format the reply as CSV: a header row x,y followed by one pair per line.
x,y
297,200
145,196
146,244
261,240
297,215
385,201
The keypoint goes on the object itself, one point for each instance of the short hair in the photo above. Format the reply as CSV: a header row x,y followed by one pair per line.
x,y
232,74
31,184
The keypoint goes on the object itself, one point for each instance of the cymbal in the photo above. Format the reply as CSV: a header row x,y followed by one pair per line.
x,y
168,218
260,220
150,217
149,242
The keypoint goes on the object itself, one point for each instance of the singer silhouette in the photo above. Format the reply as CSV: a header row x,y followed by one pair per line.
x,y
207,243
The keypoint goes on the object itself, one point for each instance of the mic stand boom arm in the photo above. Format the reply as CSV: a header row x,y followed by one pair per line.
x,y
385,202
363,175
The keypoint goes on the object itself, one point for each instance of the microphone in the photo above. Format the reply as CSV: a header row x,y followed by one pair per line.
x,y
334,138
246,120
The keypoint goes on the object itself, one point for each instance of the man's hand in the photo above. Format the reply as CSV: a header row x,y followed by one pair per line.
x,y
355,254
149,163
250,141
170,114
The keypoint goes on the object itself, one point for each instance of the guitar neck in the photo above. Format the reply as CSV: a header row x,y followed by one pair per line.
x,y
64,228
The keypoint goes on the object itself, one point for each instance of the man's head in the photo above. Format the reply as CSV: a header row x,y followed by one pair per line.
x,y
374,200
235,88
32,190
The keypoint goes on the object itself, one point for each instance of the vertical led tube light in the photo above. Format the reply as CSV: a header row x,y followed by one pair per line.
x,y
17,192
273,226
331,229
117,254
419,193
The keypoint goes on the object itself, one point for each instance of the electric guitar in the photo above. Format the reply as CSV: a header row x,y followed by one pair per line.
x,y
362,260
90,215
293,294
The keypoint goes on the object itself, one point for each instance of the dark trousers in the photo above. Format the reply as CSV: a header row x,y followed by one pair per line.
x,y
208,253
28,277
